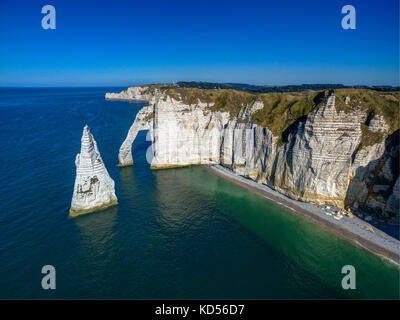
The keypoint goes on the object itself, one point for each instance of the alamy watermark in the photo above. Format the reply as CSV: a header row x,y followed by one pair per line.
x,y
349,20
349,280
49,20
49,280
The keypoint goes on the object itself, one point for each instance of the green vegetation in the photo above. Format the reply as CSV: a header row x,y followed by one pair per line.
x,y
149,116
284,110
267,89
373,103
228,100
231,101
281,110
256,88
369,137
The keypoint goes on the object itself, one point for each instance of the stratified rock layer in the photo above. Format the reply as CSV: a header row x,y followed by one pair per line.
x,y
321,162
94,189
137,93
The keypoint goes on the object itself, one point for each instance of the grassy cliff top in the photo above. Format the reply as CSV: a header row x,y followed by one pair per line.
x,y
372,103
283,110
270,88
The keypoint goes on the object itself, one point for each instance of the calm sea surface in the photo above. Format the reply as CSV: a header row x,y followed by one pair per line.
x,y
176,233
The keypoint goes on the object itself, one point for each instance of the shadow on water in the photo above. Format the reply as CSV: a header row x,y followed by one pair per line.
x,y
96,228
90,274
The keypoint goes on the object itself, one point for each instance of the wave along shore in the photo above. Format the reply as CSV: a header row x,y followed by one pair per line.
x,y
351,229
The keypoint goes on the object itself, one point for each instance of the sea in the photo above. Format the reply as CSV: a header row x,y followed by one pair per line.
x,y
181,233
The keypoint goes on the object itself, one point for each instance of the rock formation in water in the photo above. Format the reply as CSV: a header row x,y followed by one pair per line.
x,y
324,158
94,189
142,122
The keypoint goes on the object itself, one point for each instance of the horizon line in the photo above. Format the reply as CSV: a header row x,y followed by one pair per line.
x,y
192,81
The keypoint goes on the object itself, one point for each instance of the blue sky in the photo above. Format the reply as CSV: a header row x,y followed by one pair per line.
x,y
119,43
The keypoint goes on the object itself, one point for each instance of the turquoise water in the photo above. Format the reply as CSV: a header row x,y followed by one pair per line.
x,y
176,233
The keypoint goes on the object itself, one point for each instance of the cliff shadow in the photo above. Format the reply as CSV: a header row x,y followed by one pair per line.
x,y
373,185
292,129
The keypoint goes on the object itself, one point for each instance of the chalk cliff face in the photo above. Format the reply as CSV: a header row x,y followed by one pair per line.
x,y
181,134
186,134
142,122
375,186
314,166
321,162
93,189
136,93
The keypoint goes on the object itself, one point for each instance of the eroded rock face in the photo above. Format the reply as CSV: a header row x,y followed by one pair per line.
x,y
136,93
375,187
93,189
186,134
321,161
181,134
143,121
314,166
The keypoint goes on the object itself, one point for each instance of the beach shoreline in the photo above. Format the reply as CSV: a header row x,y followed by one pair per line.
x,y
351,229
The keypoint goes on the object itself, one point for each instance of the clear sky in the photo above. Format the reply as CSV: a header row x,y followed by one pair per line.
x,y
119,43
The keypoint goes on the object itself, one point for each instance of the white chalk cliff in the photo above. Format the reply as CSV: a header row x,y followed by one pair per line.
x,y
321,161
93,189
136,93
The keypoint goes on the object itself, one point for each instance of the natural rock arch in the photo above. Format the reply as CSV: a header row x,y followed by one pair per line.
x,y
143,121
